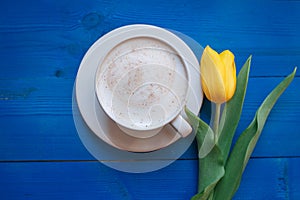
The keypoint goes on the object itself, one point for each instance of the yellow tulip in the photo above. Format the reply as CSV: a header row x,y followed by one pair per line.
x,y
218,75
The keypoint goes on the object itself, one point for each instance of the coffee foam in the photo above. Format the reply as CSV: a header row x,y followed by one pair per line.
x,y
143,83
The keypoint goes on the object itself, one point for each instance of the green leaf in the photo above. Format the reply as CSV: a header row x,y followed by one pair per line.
x,y
212,156
232,111
244,147
211,167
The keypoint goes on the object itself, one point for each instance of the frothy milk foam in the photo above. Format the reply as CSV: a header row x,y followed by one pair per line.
x,y
143,83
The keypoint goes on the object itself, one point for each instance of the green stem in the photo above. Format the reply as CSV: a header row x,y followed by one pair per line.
x,y
217,120
211,196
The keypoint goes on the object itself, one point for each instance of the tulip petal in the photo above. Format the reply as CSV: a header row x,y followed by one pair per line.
x,y
211,75
227,58
216,59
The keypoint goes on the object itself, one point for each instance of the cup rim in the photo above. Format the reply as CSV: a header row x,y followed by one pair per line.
x,y
157,33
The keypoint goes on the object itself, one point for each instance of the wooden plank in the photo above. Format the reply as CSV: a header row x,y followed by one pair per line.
x,y
42,137
92,180
40,43
54,96
41,46
270,179
48,137
42,108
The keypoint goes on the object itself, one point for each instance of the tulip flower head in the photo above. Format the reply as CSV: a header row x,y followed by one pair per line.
x,y
218,75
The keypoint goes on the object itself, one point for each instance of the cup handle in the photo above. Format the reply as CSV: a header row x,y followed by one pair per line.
x,y
182,126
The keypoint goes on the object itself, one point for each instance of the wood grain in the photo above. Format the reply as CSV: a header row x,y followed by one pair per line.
x,y
51,36
92,180
41,46
42,107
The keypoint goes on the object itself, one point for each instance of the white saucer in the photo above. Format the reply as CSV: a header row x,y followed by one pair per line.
x,y
94,116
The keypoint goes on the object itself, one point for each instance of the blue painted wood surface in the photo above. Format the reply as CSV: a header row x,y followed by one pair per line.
x,y
41,46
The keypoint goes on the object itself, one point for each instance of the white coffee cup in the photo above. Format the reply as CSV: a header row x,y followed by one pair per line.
x,y
142,83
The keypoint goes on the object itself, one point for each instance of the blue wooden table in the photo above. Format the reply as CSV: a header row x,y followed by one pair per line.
x,y
41,45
